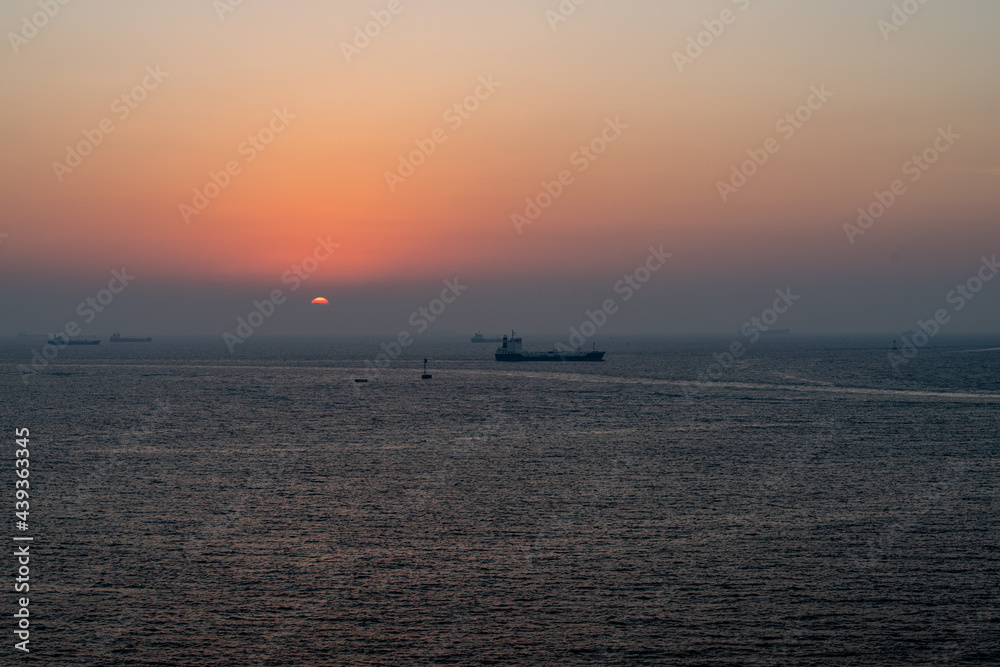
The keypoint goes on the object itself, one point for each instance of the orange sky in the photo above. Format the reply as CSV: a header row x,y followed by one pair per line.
x,y
324,173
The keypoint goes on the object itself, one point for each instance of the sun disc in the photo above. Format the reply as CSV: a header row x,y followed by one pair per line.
x,y
320,300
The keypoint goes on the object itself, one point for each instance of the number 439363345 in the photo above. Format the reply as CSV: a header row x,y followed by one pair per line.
x,y
21,454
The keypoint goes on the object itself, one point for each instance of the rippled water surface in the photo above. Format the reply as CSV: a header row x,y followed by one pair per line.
x,y
811,506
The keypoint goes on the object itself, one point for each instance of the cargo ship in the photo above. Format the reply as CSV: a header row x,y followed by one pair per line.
x,y
118,338
479,338
511,350
58,340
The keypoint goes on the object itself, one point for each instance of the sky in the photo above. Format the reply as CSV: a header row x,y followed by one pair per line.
x,y
536,153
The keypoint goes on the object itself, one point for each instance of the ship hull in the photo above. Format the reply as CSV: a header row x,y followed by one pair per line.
x,y
546,356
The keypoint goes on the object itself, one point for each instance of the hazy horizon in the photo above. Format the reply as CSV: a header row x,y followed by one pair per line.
x,y
298,139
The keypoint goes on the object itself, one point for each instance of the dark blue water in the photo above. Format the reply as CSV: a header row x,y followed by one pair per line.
x,y
812,506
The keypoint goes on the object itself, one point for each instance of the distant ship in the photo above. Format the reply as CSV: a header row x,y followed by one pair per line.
x,y
511,351
479,338
57,340
118,338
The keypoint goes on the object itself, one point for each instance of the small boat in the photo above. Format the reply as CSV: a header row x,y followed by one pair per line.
x,y
511,351
361,379
426,375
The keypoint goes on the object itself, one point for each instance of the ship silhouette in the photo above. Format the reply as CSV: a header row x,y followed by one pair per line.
x,y
511,350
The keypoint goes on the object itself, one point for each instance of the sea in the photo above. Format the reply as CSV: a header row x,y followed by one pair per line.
x,y
814,500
